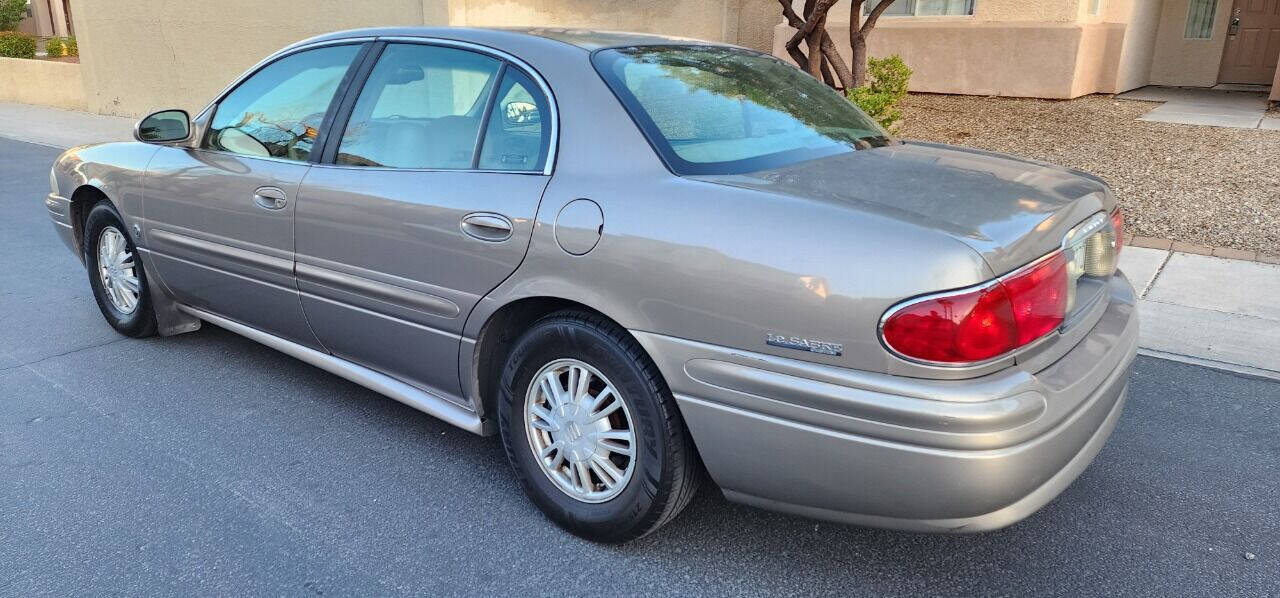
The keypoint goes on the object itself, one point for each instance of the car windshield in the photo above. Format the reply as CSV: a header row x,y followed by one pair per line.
x,y
721,110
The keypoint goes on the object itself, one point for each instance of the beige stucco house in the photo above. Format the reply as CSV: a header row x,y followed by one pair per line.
x,y
140,55
137,55
1070,48
47,18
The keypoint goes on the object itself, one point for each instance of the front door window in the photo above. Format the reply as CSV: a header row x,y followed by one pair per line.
x,y
278,111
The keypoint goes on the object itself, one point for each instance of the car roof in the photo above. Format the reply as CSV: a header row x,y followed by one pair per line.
x,y
590,39
585,39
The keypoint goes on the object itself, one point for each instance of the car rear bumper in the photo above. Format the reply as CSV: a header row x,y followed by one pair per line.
x,y
902,453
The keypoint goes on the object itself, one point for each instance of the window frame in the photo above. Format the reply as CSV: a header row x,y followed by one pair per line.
x,y
206,115
352,90
915,12
1095,8
1213,22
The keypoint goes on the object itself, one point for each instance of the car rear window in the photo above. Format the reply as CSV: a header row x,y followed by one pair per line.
x,y
721,110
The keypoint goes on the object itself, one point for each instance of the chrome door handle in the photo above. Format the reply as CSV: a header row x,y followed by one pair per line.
x,y
270,198
487,226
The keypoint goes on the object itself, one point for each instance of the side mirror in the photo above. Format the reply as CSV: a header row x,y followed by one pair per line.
x,y
521,113
165,126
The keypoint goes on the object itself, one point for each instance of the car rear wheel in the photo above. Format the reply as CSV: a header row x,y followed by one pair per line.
x,y
116,274
592,430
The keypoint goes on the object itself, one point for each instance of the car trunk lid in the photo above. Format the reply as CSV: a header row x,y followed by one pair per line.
x,y
1010,210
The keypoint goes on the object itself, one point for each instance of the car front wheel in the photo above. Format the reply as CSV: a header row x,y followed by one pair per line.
x,y
116,274
592,430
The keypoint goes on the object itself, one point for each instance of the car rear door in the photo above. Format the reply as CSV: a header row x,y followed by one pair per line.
x,y
424,203
220,216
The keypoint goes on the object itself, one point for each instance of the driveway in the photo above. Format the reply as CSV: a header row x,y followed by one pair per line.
x,y
207,464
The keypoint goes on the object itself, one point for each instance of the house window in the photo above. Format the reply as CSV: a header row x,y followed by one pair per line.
x,y
1095,7
1200,14
922,8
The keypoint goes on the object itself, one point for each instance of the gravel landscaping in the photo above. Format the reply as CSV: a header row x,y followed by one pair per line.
x,y
1205,185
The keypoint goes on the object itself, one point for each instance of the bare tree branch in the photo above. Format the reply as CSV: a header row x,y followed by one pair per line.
x,y
794,20
828,47
815,19
826,72
837,62
870,24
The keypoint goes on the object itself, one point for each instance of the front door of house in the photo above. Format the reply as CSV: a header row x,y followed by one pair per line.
x,y
1253,42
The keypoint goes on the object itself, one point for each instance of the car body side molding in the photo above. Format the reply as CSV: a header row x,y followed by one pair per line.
x,y
412,396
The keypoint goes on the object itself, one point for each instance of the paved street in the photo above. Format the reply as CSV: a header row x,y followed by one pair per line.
x,y
207,464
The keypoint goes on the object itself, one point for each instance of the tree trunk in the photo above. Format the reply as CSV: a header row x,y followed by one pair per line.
x,y
859,60
826,72
831,59
859,31
814,42
836,61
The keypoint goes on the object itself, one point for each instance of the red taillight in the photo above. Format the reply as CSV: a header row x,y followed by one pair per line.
x,y
976,325
1117,225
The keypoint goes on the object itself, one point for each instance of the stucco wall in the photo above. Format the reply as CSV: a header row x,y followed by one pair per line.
x,y
1045,48
1098,58
975,57
1275,88
1026,59
1041,11
142,55
1143,18
702,19
43,82
1189,62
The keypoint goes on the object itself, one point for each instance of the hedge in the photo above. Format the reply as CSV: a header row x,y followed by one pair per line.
x,y
17,45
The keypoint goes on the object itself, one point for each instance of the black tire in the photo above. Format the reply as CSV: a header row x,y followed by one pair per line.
x,y
667,470
141,321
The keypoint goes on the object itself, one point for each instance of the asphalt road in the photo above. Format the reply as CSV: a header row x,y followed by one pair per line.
x,y
207,464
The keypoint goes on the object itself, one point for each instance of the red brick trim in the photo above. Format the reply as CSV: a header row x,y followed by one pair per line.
x,y
1222,252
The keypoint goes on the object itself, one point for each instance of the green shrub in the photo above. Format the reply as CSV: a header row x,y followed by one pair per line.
x,y
55,47
17,45
887,80
61,46
11,13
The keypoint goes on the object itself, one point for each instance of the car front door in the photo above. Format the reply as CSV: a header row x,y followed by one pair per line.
x,y
425,202
220,216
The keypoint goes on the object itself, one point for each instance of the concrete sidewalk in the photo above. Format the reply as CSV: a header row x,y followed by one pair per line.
x,y
1205,310
60,128
1212,107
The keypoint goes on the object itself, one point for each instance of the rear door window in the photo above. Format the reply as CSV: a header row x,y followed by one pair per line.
x,y
421,108
519,127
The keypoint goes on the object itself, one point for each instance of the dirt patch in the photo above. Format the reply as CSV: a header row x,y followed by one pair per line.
x,y
1206,185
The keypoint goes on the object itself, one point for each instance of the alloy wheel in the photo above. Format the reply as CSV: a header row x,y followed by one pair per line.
x,y
116,270
580,431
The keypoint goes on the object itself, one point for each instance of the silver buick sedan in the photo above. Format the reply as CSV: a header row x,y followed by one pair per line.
x,y
636,259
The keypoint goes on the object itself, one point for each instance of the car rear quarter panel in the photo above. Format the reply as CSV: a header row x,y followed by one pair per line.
x,y
712,263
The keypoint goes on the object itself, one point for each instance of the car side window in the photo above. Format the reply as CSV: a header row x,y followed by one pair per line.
x,y
278,111
422,107
519,127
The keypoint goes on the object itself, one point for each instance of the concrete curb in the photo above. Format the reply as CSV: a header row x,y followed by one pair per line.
x,y
1222,366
